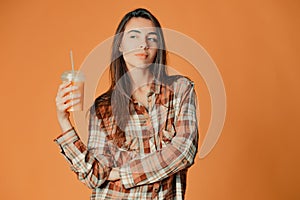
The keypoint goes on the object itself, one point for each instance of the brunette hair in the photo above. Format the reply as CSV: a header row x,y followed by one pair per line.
x,y
120,85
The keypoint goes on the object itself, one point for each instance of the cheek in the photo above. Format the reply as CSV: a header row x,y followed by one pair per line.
x,y
128,46
153,53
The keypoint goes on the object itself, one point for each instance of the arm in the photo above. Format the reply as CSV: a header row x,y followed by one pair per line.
x,y
175,156
92,164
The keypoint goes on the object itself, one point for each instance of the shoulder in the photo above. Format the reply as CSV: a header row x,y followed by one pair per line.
x,y
178,79
102,104
104,99
179,83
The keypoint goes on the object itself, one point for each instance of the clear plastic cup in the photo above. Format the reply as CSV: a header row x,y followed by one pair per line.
x,y
77,78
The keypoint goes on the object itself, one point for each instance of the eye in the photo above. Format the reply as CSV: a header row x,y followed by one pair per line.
x,y
152,39
133,36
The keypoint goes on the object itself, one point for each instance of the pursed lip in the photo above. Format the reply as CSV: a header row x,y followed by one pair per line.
x,y
141,55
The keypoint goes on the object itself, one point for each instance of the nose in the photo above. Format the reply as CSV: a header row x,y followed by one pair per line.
x,y
143,45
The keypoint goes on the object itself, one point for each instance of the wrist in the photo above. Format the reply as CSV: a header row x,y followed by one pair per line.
x,y
65,125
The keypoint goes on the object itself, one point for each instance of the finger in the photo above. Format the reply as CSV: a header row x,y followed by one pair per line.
x,y
64,84
71,103
65,99
64,107
69,97
64,91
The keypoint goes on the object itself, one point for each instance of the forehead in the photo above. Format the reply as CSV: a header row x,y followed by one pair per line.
x,y
141,24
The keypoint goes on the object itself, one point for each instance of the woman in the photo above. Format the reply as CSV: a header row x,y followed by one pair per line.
x,y
143,131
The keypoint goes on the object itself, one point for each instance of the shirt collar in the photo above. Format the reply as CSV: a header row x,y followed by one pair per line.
x,y
155,87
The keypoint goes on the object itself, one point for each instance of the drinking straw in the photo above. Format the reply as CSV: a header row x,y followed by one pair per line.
x,y
72,62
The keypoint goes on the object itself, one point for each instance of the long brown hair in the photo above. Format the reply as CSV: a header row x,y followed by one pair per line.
x,y
120,86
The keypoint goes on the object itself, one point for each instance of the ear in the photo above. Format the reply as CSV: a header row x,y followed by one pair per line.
x,y
121,48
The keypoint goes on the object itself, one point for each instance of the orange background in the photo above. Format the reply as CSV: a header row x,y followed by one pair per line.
x,y
255,45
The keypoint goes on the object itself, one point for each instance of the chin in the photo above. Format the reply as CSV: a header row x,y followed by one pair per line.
x,y
139,65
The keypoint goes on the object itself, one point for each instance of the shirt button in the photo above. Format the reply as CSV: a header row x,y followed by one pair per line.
x,y
156,187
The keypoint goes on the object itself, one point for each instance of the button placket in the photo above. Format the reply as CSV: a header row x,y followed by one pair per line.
x,y
149,103
154,125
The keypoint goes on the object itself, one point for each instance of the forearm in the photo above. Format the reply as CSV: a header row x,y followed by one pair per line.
x,y
64,124
161,164
91,169
176,155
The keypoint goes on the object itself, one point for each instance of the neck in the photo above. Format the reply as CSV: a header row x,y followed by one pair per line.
x,y
140,77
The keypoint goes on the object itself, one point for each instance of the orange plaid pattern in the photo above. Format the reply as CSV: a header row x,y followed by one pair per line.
x,y
160,145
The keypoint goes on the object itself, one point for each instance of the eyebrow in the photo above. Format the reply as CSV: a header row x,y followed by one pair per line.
x,y
152,33
137,31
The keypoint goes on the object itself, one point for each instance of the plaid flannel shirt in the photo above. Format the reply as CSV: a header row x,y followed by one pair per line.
x,y
161,144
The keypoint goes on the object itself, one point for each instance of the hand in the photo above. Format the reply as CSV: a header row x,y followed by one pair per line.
x,y
63,102
114,174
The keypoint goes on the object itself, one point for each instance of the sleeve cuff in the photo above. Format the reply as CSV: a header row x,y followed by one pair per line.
x,y
126,177
67,138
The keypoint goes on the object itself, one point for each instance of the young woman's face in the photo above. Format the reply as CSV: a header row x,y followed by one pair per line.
x,y
139,43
